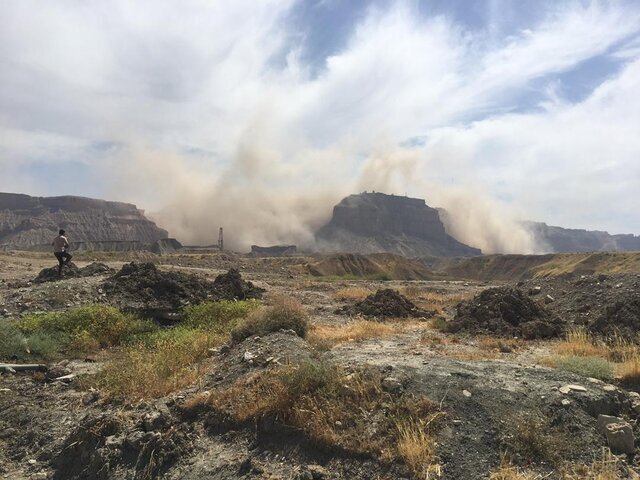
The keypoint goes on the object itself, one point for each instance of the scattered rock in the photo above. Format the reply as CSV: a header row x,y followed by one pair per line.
x,y
620,437
391,384
568,388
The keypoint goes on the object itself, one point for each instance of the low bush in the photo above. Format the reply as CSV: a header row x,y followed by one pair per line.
x,y
161,363
218,316
87,327
19,346
595,367
285,313
333,409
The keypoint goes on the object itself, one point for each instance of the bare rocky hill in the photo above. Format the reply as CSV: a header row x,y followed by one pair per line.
x,y
376,222
560,240
27,221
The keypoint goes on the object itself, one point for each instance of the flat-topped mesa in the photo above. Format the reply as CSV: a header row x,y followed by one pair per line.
x,y
27,221
377,222
553,239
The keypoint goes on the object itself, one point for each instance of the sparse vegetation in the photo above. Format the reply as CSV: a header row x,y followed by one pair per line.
x,y
284,313
333,409
162,361
602,358
327,336
353,293
530,438
418,449
218,316
433,300
88,327
73,332
502,345
165,362
595,367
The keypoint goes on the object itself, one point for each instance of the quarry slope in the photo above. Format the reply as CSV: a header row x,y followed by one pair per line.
x,y
31,221
518,267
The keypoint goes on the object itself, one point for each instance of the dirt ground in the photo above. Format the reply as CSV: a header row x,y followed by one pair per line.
x,y
487,386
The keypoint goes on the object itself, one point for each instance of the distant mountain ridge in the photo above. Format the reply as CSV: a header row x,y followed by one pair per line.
x,y
377,222
551,239
27,221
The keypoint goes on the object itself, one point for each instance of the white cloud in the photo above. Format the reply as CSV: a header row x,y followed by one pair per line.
x,y
211,100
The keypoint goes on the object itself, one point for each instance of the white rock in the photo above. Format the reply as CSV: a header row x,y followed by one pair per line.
x,y
568,388
604,420
466,393
248,356
391,384
620,437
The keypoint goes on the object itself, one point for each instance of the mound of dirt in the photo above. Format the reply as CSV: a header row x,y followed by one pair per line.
x,y
95,269
141,286
231,286
71,270
506,312
621,317
386,303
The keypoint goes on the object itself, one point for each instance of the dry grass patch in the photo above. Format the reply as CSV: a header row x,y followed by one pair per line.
x,y
157,367
581,352
502,345
284,313
507,471
417,447
333,408
431,300
578,342
358,330
604,468
353,293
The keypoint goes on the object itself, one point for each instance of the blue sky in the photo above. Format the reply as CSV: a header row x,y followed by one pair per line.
x,y
261,115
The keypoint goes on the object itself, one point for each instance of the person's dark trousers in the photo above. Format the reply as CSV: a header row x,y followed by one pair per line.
x,y
63,259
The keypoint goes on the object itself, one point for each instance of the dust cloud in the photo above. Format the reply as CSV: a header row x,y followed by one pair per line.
x,y
260,199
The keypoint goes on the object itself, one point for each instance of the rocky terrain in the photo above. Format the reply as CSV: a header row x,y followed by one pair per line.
x,y
376,222
559,240
377,385
32,221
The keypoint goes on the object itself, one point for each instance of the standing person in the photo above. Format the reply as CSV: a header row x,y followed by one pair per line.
x,y
60,245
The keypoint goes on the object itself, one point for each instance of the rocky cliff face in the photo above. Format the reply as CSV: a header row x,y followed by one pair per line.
x,y
30,221
376,222
552,239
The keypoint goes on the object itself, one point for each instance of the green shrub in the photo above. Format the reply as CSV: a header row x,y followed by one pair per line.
x,y
311,377
87,327
219,316
285,313
16,345
13,343
595,367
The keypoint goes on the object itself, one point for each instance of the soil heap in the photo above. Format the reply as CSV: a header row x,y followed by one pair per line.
x,y
386,303
141,286
620,317
506,312
71,270
231,286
